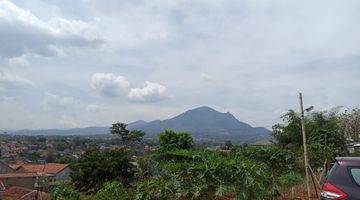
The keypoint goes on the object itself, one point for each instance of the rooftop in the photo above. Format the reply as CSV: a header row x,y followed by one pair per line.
x,y
22,175
21,193
50,168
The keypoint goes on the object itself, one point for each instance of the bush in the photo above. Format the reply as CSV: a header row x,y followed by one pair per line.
x,y
113,191
171,140
290,179
64,192
200,174
278,159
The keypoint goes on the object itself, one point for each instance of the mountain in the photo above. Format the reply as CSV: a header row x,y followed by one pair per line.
x,y
94,130
204,123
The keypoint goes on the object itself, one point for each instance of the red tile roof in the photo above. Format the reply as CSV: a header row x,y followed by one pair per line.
x,y
15,166
49,168
20,193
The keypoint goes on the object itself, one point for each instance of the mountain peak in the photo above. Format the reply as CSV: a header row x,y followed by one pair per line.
x,y
203,109
204,123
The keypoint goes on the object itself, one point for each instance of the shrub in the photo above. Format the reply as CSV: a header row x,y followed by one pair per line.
x,y
200,174
64,192
113,191
278,159
170,140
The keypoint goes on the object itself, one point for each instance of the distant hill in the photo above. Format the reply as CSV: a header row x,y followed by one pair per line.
x,y
204,123
95,130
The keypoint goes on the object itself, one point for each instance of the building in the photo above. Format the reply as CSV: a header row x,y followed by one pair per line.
x,y
27,175
21,193
26,180
59,172
5,168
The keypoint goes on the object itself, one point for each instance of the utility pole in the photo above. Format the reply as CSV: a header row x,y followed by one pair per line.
x,y
306,161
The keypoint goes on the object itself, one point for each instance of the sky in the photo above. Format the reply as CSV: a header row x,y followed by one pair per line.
x,y
66,64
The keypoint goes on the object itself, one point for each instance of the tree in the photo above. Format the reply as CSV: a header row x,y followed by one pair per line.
x,y
228,144
350,123
128,137
324,137
170,140
95,168
289,133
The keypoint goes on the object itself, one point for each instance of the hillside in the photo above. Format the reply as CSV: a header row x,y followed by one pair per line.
x,y
204,123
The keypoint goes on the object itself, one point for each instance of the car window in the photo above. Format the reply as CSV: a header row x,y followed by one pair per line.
x,y
355,173
332,170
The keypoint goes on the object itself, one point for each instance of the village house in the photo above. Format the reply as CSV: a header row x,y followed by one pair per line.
x,y
59,172
16,192
27,175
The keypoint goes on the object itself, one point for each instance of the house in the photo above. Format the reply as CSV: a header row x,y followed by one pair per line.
x,y
5,168
27,175
59,172
26,180
20,193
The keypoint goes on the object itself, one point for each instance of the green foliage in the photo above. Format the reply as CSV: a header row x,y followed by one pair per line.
x,y
278,159
200,174
113,191
95,168
67,160
290,179
128,137
147,168
228,144
170,140
324,136
288,134
64,192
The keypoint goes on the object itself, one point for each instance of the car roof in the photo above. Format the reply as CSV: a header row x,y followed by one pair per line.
x,y
349,159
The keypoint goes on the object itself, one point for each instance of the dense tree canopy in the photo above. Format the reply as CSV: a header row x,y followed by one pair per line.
x,y
95,168
324,136
169,140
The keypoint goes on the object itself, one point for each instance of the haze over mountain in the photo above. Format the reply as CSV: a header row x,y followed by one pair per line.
x,y
204,123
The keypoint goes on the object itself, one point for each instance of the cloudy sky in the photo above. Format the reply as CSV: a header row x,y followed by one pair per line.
x,y
82,63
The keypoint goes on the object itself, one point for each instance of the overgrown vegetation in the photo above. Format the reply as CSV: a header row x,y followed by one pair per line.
x,y
179,170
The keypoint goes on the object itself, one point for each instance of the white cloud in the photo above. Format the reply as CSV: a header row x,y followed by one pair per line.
x,y
10,80
152,92
18,61
109,85
68,121
260,49
206,77
93,108
22,32
53,101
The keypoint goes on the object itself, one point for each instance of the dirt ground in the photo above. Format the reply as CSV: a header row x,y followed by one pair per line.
x,y
299,192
